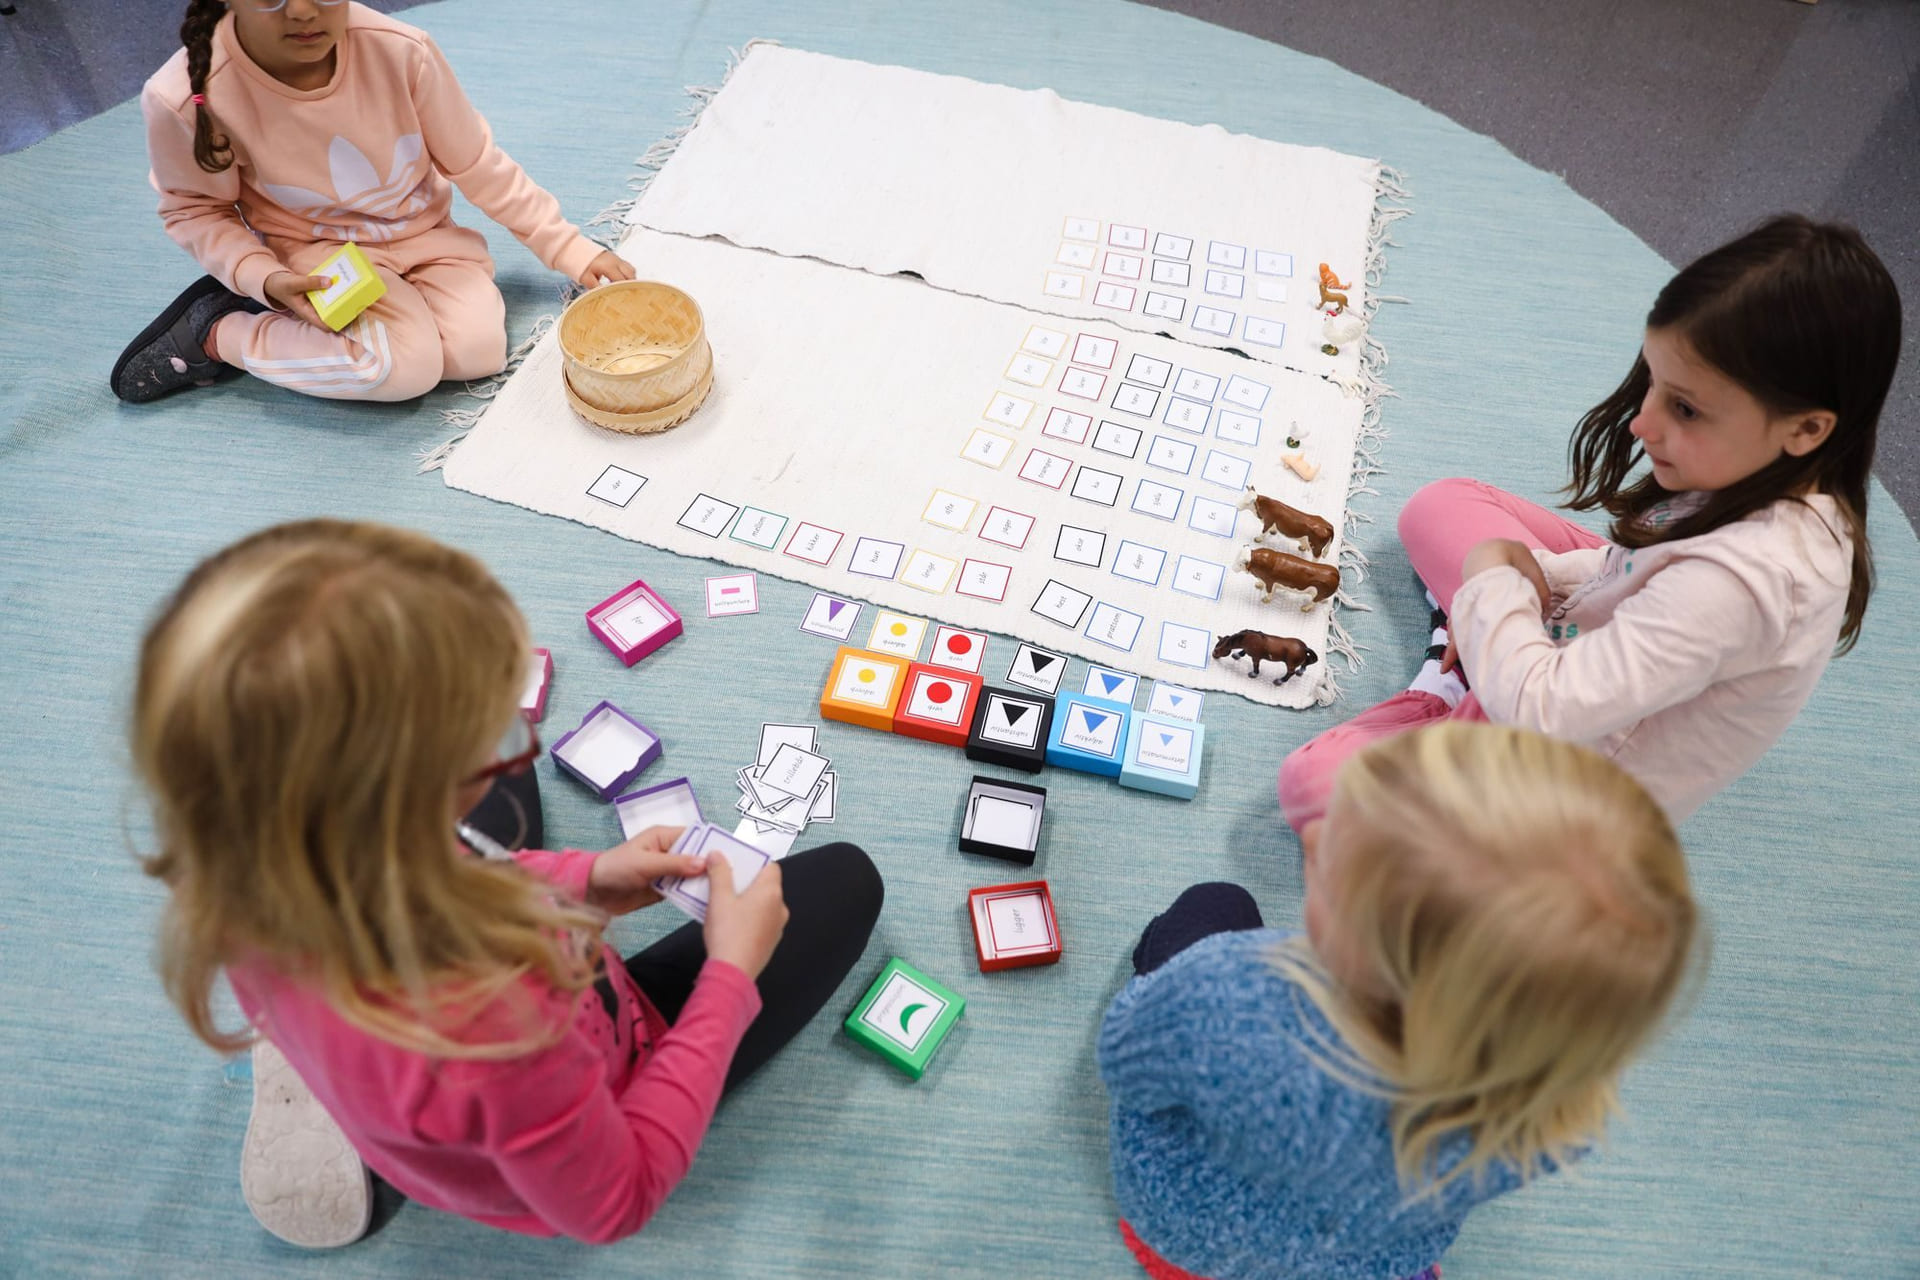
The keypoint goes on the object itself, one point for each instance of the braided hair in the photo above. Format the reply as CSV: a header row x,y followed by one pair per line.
x,y
210,147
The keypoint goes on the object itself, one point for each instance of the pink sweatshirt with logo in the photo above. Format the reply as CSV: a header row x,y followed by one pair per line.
x,y
1683,661
584,1138
371,156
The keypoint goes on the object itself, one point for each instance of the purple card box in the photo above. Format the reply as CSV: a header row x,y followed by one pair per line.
x,y
631,649
649,755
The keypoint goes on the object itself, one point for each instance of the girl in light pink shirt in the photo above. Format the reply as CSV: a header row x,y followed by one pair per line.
x,y
284,129
1684,643
317,706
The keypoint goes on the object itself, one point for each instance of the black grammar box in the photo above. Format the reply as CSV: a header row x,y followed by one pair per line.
x,y
1010,728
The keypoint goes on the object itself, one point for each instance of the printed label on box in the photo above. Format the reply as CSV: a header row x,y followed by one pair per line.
x,y
1091,730
1171,700
1017,924
1011,722
1036,669
937,699
904,1012
863,683
1165,747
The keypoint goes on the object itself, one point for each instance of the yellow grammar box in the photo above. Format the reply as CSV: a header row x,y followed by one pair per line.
x,y
356,286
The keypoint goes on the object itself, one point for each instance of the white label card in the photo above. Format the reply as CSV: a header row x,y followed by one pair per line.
x,y
632,620
1063,424
1044,342
759,528
671,804
1009,410
1177,274
1247,393
1213,320
940,699
1148,371
1196,577
1114,686
1087,229
1008,528
1135,399
1237,428
1226,283
1164,746
1228,470
616,485
1171,246
1012,722
1270,290
984,580
1077,255
1196,385
1082,384
1161,501
1060,603
1080,546
1124,265
960,650
1036,669
1064,284
830,617
1265,333
1029,370
736,593
949,510
1016,924
1139,562
1184,647
926,571
1170,699
1187,415
864,683
743,859
1114,438
1127,237
1093,485
904,1011
1114,626
1269,263
1094,351
813,543
708,516
1169,454
1090,730
873,558
1164,306
987,448
793,772
1049,469
897,633
1222,254
1119,297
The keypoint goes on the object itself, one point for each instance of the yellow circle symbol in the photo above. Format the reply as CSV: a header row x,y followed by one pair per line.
x,y
865,675
899,628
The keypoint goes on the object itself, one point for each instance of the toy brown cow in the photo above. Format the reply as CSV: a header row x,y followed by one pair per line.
x,y
1302,526
1261,647
1276,569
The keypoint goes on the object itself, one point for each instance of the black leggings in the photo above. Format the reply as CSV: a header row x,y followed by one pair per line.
x,y
833,898
1203,910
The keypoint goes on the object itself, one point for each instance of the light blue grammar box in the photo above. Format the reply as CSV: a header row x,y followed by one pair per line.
x,y
1163,754
1089,734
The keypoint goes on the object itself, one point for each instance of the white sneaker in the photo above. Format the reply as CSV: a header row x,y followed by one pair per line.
x,y
299,1175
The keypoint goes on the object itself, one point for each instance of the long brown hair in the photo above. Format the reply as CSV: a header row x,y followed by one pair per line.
x,y
1803,316
1522,908
308,703
210,147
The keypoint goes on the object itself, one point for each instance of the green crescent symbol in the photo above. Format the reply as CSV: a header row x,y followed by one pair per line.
x,y
907,1013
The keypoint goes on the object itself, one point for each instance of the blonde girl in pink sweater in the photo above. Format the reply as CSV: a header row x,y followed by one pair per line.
x,y
286,128
317,706
1683,644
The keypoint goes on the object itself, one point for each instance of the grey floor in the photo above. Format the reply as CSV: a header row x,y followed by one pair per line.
x,y
1686,120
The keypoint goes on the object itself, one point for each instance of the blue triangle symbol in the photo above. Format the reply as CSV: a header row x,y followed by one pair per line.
x,y
1094,719
1112,682
1166,739
1175,698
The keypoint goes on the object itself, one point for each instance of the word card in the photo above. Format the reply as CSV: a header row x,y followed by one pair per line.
x,y
734,594
830,617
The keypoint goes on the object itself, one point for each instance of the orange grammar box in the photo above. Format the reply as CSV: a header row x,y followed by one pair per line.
x,y
937,705
864,688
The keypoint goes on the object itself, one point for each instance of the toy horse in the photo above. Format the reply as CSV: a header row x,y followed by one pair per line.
x,y
1309,530
1261,647
1276,569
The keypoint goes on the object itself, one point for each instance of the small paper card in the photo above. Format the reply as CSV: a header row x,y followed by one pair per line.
x,y
1037,669
1270,290
617,486
1114,627
941,699
830,617
1137,400
707,515
1226,284
1008,410
1114,686
775,736
1139,562
793,772
1196,385
1268,263
1091,485
774,843
1008,528
874,558
897,633
1115,438
1063,424
1214,320
1185,647
949,510
1172,246
1046,469
1029,370
1087,229
827,803
1237,428
928,572
1072,254
957,649
813,543
1169,454
1213,517
1164,306
1195,577
1126,266
671,804
987,448
1094,351
1263,332
758,528
1160,501
1148,371
1121,237
1177,274
1058,602
1011,722
1187,415
983,579
1222,254
691,895
1119,297
1171,700
1082,384
1014,922
1228,470
736,593
1080,546
1064,284
1042,341
1247,393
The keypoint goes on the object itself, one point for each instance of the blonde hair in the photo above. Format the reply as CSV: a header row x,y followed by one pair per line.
x,y
1522,910
308,704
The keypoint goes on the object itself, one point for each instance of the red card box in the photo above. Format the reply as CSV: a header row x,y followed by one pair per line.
x,y
1035,935
938,693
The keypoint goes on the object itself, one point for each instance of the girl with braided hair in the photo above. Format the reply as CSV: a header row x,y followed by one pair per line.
x,y
285,128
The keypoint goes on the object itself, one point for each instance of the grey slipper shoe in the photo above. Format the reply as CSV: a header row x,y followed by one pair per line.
x,y
170,354
298,1173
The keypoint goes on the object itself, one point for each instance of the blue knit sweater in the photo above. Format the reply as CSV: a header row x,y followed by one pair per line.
x,y
1235,1155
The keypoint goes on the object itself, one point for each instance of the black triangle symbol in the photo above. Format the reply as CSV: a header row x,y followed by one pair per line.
x,y
1013,711
1041,661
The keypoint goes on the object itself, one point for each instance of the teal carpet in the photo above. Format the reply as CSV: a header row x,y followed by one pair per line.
x,y
1770,1133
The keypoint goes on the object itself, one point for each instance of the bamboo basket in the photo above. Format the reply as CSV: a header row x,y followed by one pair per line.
x,y
636,356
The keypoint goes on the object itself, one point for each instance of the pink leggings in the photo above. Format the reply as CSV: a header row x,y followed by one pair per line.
x,y
1438,526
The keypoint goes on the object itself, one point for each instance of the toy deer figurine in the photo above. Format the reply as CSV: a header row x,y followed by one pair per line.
x,y
1309,530
1276,569
1332,292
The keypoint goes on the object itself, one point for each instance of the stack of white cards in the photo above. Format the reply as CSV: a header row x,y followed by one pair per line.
x,y
788,786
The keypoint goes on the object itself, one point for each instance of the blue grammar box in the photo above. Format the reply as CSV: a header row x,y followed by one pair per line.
x,y
1163,754
1088,734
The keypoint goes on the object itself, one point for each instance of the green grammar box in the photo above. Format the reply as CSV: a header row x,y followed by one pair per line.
x,y
904,1016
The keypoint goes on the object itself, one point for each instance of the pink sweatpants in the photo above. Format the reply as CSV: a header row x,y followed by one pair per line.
x,y
1438,526
441,317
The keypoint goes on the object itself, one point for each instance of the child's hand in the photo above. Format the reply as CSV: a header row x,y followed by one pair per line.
x,y
290,289
622,877
606,266
1495,552
744,928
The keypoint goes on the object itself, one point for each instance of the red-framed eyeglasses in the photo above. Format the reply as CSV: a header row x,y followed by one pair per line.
x,y
517,752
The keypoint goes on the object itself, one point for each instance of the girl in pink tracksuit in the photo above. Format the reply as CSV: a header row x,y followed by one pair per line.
x,y
1683,644
282,130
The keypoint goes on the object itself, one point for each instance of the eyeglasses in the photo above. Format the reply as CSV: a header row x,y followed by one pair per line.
x,y
275,6
516,753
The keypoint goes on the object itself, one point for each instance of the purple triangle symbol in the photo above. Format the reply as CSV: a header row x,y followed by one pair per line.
x,y
834,607
1112,682
1094,719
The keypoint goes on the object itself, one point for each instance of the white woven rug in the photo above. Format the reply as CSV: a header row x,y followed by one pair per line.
x,y
980,453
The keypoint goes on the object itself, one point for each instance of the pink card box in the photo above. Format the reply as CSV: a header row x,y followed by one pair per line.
x,y
633,622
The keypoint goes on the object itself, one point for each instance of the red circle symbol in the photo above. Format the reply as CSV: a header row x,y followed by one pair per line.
x,y
959,644
939,691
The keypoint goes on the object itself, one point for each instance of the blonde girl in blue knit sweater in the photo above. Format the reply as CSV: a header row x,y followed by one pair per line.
x,y
1496,924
